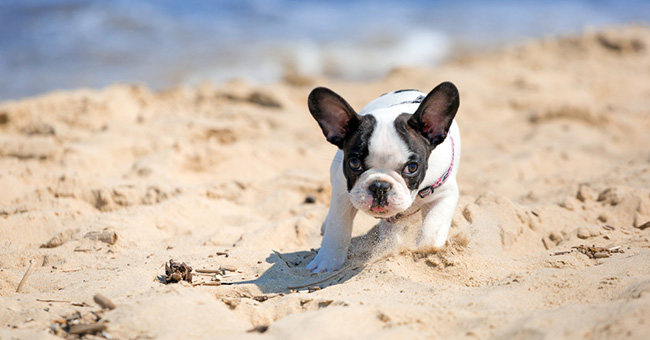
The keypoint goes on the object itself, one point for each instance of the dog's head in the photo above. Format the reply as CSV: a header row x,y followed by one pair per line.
x,y
385,151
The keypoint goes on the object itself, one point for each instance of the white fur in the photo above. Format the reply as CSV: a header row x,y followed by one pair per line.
x,y
387,152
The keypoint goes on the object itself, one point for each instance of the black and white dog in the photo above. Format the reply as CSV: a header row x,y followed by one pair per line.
x,y
397,157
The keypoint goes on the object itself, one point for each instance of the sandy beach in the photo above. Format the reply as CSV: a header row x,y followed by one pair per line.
x,y
550,240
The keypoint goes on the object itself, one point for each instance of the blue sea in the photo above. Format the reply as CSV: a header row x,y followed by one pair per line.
x,y
64,44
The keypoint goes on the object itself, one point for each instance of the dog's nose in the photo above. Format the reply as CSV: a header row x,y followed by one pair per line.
x,y
379,188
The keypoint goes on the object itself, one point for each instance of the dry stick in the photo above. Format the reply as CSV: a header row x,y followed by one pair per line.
x,y
87,328
321,281
211,283
208,271
27,273
544,242
226,267
48,300
70,270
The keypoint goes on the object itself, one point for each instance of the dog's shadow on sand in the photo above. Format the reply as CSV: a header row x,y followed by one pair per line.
x,y
288,272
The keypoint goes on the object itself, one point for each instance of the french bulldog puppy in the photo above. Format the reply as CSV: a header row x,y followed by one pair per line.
x,y
397,157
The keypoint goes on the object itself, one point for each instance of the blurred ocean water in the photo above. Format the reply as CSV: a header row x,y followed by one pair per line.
x,y
61,44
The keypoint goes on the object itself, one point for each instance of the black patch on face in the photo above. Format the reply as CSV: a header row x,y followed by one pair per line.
x,y
356,146
420,150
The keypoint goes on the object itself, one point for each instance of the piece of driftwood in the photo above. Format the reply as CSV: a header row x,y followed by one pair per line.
x,y
644,226
60,238
229,267
95,327
29,271
104,302
209,271
106,236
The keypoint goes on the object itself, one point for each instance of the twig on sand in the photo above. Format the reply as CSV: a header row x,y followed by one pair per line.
x,y
320,281
544,243
208,271
228,267
70,270
225,267
29,271
50,300
211,283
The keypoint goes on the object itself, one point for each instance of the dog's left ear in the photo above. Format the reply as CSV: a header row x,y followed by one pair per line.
x,y
436,113
334,115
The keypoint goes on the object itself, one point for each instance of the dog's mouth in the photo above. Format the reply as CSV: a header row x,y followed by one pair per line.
x,y
379,209
379,203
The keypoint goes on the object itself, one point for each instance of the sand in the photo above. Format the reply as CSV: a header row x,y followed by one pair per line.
x,y
555,155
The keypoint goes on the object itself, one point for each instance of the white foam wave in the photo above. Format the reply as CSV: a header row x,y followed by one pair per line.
x,y
342,58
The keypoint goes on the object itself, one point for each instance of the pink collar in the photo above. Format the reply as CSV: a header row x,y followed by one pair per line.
x,y
429,190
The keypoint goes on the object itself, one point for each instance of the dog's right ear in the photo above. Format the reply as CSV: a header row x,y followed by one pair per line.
x,y
334,115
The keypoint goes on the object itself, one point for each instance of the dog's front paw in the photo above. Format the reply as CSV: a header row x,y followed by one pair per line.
x,y
428,243
326,262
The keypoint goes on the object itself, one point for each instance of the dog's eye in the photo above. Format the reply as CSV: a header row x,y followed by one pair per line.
x,y
354,164
410,168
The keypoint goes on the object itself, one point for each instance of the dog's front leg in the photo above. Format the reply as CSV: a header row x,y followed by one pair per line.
x,y
437,216
337,232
